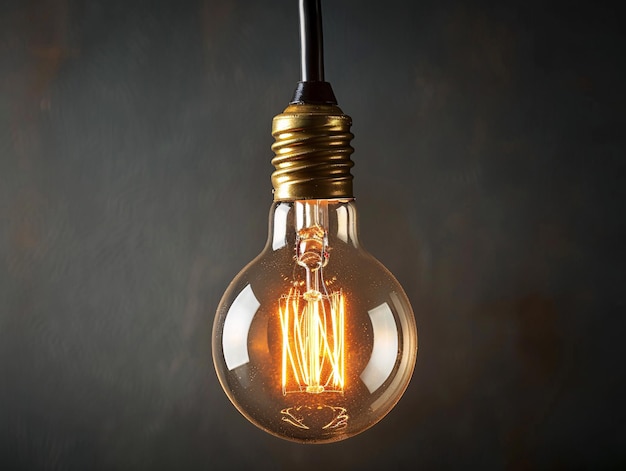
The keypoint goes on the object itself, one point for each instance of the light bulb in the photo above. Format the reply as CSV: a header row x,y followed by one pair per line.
x,y
314,341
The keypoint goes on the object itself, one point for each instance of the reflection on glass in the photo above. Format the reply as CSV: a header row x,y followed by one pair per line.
x,y
280,222
236,327
385,350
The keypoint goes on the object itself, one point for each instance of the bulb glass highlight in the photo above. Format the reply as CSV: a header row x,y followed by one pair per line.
x,y
314,341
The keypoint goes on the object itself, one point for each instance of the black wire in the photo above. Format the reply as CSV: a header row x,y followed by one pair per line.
x,y
311,41
312,89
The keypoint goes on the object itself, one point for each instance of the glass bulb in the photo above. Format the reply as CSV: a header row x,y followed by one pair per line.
x,y
314,341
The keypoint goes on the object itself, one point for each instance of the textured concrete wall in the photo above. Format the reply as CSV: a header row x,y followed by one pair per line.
x,y
134,184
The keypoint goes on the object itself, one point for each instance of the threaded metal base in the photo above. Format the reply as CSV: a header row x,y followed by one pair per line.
x,y
312,153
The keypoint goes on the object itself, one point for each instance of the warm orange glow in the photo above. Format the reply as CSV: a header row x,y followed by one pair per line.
x,y
312,327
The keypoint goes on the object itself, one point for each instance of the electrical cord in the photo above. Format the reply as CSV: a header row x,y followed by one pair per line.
x,y
311,41
312,89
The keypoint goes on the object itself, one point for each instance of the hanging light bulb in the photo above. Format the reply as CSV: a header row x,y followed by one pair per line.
x,y
314,341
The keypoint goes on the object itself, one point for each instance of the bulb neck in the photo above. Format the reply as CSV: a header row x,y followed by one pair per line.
x,y
312,153
333,222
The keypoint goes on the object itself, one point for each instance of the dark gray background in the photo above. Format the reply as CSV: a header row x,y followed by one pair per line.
x,y
134,184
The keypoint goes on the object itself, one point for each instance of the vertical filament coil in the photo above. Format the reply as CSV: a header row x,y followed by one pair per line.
x,y
312,327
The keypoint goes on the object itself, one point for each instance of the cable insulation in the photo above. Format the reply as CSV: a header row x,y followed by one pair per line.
x,y
311,41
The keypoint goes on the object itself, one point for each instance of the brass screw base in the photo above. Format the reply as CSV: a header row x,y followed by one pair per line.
x,y
312,153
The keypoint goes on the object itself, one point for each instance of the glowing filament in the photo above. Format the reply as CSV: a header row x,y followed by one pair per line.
x,y
312,327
